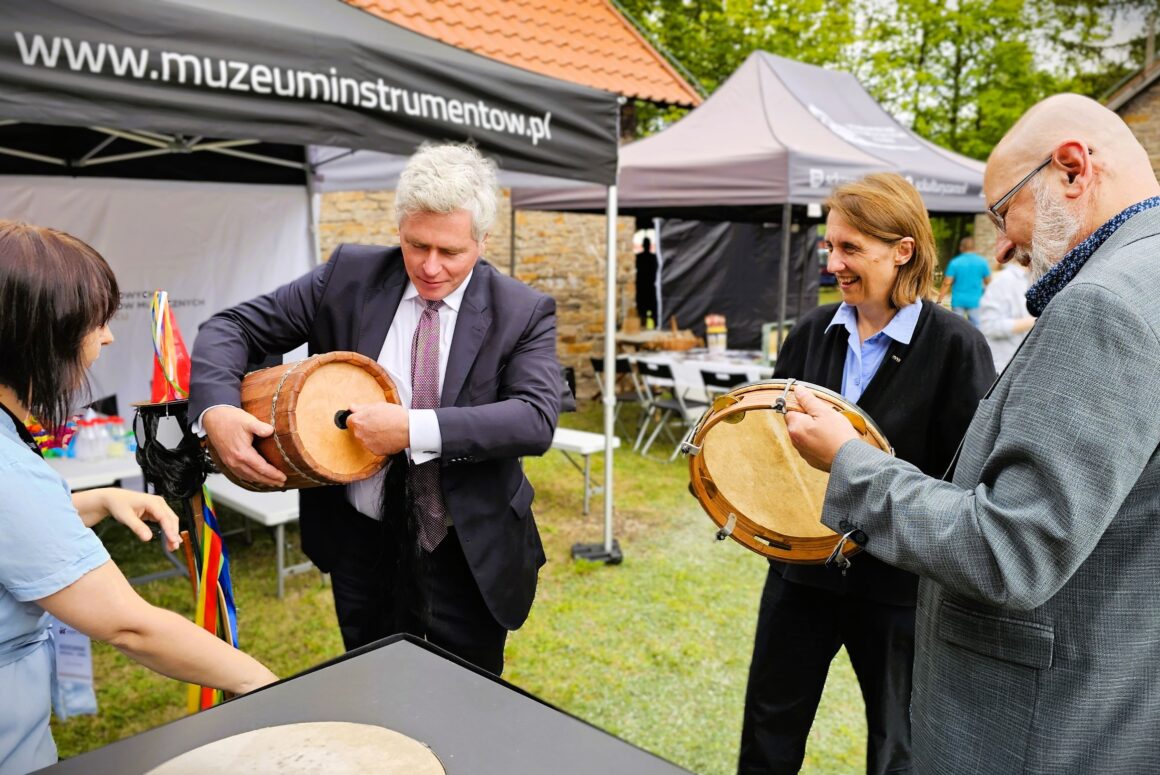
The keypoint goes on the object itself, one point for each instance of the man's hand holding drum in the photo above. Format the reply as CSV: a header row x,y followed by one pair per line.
x,y
818,432
383,428
231,431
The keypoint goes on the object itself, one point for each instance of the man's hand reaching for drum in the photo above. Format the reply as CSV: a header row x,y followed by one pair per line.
x,y
817,431
383,428
231,431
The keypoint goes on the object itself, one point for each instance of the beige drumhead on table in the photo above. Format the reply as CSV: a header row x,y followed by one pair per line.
x,y
332,747
745,472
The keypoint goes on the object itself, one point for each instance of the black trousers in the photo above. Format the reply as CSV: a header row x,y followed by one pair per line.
x,y
799,630
437,600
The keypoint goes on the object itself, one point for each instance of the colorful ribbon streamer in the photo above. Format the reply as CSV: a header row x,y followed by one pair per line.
x,y
215,611
163,345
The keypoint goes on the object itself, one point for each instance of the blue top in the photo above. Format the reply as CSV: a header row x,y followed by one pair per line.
x,y
44,547
864,358
969,270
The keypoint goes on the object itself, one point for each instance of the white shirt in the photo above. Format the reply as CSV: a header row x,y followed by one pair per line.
x,y
1004,302
425,438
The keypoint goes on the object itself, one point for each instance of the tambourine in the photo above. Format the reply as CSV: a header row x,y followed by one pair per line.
x,y
753,484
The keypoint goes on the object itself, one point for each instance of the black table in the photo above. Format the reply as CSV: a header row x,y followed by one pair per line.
x,y
474,722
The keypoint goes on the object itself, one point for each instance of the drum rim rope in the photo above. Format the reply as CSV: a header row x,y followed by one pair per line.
x,y
273,422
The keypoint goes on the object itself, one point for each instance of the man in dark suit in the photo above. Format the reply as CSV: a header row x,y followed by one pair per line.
x,y
442,544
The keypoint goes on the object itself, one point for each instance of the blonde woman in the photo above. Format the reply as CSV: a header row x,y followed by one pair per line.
x,y
919,371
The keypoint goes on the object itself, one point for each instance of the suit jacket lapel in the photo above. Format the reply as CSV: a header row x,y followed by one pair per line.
x,y
895,355
470,328
378,311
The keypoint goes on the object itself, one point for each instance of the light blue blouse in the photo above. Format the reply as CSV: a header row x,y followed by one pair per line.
x,y
864,358
44,547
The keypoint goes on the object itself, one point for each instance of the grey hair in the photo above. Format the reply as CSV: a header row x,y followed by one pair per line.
x,y
449,177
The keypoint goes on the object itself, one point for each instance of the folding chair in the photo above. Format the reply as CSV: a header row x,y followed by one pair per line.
x,y
666,399
718,382
623,397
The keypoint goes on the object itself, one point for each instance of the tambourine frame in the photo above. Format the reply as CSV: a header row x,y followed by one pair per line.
x,y
731,521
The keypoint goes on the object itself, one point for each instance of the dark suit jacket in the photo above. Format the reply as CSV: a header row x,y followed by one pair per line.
x,y
922,398
500,399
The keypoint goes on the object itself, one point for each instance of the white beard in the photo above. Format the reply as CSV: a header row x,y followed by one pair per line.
x,y
1051,237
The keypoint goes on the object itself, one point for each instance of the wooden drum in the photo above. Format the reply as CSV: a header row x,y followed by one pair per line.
x,y
748,477
301,400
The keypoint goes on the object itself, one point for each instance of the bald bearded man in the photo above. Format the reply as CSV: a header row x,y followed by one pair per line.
x,y
1038,622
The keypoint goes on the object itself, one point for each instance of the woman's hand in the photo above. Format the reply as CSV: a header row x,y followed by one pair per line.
x,y
131,509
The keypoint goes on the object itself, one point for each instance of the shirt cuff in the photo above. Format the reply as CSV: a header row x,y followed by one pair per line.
x,y
197,427
426,440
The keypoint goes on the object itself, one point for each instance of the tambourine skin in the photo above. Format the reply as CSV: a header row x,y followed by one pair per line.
x,y
301,400
754,485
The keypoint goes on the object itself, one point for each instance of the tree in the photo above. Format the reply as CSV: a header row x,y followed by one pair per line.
x,y
711,38
959,72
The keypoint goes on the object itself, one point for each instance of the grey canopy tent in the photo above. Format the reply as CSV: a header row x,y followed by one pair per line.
x,y
220,90
777,133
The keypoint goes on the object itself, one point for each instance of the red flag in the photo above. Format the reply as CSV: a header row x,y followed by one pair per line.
x,y
163,389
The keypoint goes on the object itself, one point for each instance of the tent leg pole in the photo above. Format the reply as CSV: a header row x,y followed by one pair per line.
x,y
660,272
607,552
783,272
512,233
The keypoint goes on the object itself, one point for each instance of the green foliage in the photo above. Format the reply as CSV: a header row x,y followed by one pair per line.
x,y
711,38
959,73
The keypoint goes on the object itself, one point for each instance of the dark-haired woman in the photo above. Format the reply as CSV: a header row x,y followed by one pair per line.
x,y
919,371
57,296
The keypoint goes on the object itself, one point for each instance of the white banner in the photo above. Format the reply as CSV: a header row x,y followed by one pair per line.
x,y
210,245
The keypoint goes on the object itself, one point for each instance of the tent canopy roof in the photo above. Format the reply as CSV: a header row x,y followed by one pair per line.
x,y
270,76
776,131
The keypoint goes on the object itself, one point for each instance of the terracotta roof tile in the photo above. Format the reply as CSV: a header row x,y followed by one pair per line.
x,y
583,41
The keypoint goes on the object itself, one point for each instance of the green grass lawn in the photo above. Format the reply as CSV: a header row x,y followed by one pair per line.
x,y
654,650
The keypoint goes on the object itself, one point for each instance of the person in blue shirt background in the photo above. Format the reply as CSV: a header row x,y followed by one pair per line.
x,y
58,295
966,276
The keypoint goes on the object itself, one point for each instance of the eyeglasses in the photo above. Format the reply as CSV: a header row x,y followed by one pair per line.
x,y
1000,219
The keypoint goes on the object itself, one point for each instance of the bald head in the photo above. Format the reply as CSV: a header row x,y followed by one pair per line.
x,y
1120,165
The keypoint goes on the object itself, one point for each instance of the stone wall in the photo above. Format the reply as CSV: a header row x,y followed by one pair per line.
x,y
1142,115
560,254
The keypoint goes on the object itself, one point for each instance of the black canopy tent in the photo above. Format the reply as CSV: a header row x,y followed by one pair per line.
x,y
161,87
220,90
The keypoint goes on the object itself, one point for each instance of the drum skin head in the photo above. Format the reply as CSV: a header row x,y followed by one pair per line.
x,y
755,462
331,388
301,400
753,484
333,747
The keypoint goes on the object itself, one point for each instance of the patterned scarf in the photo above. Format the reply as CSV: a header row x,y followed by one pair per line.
x,y
1061,274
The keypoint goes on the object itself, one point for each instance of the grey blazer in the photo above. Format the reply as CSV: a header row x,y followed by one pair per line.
x,y
1038,632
